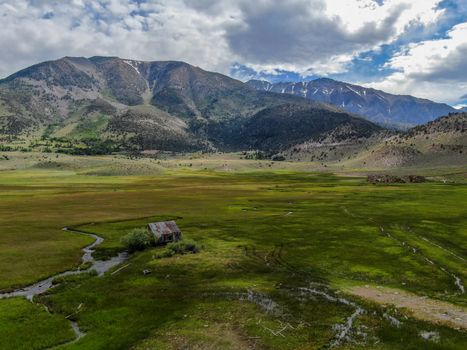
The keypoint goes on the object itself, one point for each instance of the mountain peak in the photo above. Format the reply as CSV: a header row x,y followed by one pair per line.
x,y
325,79
399,111
168,105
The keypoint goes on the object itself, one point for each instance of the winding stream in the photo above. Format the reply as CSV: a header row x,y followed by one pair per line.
x,y
100,266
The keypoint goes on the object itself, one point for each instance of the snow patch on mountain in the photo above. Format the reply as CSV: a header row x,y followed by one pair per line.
x,y
133,64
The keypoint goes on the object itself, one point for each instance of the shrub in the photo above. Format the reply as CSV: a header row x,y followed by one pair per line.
x,y
184,246
278,158
137,239
164,254
180,247
85,266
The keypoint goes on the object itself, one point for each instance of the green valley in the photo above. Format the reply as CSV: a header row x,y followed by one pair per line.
x,y
284,252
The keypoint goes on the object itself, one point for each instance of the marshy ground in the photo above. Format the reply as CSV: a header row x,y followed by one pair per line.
x,y
286,262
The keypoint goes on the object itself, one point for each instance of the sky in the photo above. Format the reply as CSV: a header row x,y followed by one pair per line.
x,y
416,47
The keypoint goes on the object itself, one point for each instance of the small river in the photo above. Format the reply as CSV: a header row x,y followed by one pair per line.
x,y
100,266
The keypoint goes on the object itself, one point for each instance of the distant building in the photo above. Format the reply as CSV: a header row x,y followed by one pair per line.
x,y
164,231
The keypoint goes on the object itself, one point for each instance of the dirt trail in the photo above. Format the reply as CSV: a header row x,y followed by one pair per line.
x,y
422,308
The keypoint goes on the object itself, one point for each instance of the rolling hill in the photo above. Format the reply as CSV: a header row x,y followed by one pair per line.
x,y
439,143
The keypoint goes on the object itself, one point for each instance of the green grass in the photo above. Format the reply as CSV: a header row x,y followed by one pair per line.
x,y
90,127
43,329
268,232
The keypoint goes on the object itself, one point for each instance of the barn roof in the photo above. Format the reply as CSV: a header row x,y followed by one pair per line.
x,y
163,227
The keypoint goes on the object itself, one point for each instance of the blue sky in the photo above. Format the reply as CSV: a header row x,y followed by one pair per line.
x,y
373,66
415,47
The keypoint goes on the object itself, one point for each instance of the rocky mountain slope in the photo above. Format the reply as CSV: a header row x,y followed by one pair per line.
x,y
276,128
105,104
439,142
399,111
442,142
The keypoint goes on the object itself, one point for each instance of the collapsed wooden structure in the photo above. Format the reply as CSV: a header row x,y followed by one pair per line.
x,y
164,231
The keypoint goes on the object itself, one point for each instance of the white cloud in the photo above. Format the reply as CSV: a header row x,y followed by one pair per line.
x,y
320,36
306,36
435,69
155,30
355,14
301,35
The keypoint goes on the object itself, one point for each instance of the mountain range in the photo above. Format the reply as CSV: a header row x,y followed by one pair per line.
x,y
400,111
109,104
101,105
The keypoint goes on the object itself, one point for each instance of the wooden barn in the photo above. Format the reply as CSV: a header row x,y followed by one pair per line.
x,y
164,231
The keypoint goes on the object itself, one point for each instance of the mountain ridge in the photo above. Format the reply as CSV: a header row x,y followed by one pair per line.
x,y
111,104
442,142
401,111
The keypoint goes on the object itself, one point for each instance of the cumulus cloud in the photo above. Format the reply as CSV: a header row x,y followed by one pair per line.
x,y
322,37
319,37
35,30
432,68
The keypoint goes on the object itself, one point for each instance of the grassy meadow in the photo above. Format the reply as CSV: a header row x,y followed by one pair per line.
x,y
281,248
